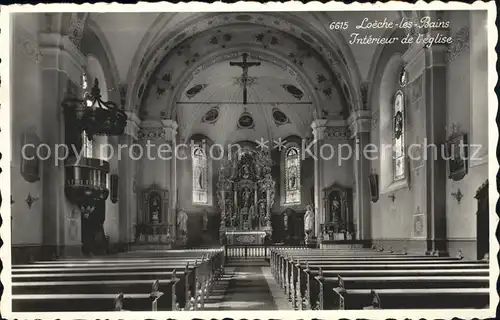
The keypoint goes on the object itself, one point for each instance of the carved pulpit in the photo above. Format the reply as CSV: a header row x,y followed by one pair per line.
x,y
338,213
245,195
153,227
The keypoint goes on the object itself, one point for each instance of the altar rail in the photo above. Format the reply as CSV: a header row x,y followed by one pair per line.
x,y
253,251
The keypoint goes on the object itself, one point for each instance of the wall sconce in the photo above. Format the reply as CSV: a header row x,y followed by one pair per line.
x,y
30,200
392,197
457,195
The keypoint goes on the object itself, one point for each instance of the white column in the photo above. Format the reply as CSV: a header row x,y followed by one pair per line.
x,y
359,124
318,127
170,127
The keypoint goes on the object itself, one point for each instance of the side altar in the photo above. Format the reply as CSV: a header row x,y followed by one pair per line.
x,y
245,195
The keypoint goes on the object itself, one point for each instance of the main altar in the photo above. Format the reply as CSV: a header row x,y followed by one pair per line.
x,y
245,193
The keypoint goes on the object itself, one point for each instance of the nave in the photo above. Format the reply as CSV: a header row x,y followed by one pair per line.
x,y
269,278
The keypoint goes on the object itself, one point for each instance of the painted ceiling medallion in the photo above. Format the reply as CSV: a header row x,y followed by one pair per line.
x,y
191,92
280,117
246,121
212,115
294,91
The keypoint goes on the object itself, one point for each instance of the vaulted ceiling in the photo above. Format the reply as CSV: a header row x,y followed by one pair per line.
x,y
177,65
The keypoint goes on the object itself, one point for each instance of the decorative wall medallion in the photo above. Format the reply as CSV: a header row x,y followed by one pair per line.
x,y
460,43
280,117
191,92
294,91
246,121
458,195
30,200
212,115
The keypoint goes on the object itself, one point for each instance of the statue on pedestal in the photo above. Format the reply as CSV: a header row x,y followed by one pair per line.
x,y
308,223
182,219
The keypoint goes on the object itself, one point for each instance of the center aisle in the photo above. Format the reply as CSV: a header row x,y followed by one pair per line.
x,y
247,285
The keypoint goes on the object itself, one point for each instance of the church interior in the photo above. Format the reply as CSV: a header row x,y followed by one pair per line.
x,y
216,161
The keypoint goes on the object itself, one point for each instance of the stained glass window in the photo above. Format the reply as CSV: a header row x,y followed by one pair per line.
x,y
200,176
398,141
292,176
87,144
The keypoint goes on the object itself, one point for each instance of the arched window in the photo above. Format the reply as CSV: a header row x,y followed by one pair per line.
x,y
292,176
398,140
87,144
200,177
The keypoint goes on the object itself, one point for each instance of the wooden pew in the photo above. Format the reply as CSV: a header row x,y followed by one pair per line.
x,y
303,279
133,276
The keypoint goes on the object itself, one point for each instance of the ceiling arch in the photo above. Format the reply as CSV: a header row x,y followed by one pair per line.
x,y
191,25
293,83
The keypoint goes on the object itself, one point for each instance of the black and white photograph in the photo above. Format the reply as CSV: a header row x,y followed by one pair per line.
x,y
285,161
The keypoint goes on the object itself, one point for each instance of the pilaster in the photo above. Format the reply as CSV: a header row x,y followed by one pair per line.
x,y
359,124
60,72
127,168
318,126
170,127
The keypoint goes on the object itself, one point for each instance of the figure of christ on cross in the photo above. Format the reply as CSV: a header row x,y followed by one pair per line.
x,y
244,78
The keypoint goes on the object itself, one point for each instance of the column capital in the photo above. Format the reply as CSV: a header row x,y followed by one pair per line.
x,y
133,125
170,126
59,53
318,126
359,121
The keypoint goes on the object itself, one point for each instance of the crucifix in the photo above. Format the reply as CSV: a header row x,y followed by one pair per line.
x,y
244,77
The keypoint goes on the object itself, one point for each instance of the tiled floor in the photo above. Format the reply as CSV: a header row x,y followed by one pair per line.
x,y
247,285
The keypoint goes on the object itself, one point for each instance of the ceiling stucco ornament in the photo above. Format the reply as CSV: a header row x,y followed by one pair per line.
x,y
76,26
460,43
274,21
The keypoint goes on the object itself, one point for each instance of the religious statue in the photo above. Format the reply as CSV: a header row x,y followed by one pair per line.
x,y
154,208
205,222
246,198
262,213
308,222
182,219
245,172
285,221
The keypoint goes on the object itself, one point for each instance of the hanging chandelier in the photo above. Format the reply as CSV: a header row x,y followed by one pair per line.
x,y
95,116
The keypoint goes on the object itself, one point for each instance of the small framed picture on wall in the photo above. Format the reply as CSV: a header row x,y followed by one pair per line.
x,y
457,156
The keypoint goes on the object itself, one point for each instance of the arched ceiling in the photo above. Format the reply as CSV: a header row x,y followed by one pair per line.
x,y
289,66
212,104
298,49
